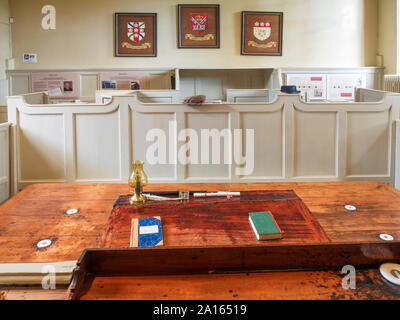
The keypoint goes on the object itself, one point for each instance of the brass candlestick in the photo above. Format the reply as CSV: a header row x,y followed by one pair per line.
x,y
137,180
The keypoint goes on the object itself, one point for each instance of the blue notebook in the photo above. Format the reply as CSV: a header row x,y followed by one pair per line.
x,y
146,232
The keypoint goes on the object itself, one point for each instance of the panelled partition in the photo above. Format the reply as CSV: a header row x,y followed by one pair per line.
x,y
293,140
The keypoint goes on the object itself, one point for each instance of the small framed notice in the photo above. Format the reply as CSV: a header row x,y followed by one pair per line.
x,y
30,58
135,34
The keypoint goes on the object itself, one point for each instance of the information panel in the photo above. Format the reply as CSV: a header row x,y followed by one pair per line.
x,y
343,86
312,86
60,85
123,80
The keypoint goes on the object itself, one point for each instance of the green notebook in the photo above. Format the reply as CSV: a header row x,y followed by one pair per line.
x,y
265,226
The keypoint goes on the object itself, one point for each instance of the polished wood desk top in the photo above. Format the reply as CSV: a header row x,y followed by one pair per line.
x,y
216,220
37,213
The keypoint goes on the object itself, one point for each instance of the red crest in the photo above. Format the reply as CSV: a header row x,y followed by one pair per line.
x,y
199,22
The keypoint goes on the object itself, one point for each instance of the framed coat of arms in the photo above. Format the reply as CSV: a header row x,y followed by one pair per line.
x,y
135,34
198,26
262,33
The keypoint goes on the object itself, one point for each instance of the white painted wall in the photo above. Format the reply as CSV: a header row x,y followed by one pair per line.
x,y
317,33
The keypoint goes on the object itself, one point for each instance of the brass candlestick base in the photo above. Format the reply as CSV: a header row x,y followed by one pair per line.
x,y
137,180
137,199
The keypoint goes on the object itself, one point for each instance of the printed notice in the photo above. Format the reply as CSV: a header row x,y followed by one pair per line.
x,y
311,85
66,83
344,86
30,58
123,80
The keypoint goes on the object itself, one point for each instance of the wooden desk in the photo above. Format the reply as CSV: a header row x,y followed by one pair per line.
x,y
38,212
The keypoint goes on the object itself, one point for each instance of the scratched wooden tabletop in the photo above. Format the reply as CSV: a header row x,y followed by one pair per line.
x,y
37,213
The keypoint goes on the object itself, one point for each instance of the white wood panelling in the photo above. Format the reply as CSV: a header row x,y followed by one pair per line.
x,y
198,121
19,83
318,156
369,150
145,96
4,162
269,137
141,123
89,83
213,83
294,140
41,146
251,95
98,153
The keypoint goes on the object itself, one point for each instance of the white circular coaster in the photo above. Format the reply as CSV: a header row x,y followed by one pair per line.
x,y
72,211
44,243
350,208
391,272
386,237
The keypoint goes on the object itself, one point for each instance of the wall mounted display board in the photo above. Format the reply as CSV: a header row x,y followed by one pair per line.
x,y
343,86
133,80
312,85
135,34
60,85
262,33
198,26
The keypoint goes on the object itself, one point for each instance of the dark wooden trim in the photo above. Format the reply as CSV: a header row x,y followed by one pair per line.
x,y
203,260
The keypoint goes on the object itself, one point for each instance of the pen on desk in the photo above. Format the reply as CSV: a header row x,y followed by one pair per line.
x,y
216,194
173,193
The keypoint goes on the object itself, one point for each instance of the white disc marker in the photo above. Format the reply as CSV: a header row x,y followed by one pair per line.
x,y
44,243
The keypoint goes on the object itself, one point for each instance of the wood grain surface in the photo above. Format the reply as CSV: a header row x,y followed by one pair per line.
x,y
38,212
216,221
211,260
299,285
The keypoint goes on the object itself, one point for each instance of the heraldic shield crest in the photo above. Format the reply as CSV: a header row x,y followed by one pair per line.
x,y
136,31
199,22
262,30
